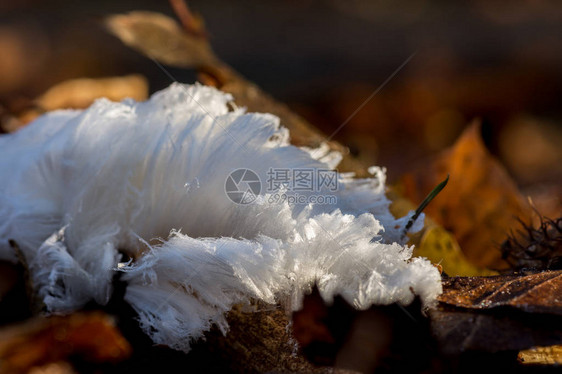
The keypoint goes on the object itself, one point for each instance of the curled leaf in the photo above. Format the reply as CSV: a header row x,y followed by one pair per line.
x,y
161,38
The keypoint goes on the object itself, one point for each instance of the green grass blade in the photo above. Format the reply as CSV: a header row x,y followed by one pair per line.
x,y
424,203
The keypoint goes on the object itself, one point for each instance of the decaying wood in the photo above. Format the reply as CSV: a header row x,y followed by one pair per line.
x,y
257,342
261,342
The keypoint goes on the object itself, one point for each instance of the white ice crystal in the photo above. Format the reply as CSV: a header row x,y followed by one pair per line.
x,y
81,189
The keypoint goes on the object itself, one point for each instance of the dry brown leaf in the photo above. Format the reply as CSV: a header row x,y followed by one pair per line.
x,y
78,94
81,93
534,293
53,368
160,37
499,313
464,330
480,203
541,355
39,341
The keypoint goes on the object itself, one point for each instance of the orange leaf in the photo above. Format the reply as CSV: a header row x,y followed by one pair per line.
x,y
38,341
481,202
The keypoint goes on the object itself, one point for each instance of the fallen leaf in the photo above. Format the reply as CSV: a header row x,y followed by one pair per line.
x,y
498,313
541,355
507,313
77,94
53,368
441,247
435,243
81,93
534,293
470,330
91,336
481,202
160,37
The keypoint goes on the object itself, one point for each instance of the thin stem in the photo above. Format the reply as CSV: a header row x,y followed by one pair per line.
x,y
424,203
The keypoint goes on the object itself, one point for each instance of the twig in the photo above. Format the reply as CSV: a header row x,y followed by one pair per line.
x,y
191,23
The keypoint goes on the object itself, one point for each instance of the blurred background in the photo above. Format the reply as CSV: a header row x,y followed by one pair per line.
x,y
473,59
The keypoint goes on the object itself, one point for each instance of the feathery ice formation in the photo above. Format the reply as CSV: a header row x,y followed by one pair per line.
x,y
80,190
